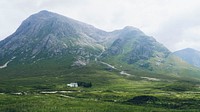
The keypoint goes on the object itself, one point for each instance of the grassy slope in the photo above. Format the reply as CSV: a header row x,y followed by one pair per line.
x,y
109,92
171,68
55,103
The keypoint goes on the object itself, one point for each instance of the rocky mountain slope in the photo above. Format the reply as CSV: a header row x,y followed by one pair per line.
x,y
133,47
47,34
50,36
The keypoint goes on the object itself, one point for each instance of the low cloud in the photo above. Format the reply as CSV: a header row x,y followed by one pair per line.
x,y
181,31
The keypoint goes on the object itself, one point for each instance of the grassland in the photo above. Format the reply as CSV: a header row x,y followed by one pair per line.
x,y
42,87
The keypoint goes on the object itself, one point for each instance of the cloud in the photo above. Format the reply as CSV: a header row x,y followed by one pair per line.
x,y
175,23
181,31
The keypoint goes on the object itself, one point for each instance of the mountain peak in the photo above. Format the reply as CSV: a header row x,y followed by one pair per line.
x,y
129,27
45,11
187,51
132,29
50,34
45,14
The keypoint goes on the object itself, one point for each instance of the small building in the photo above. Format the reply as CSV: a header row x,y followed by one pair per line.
x,y
73,85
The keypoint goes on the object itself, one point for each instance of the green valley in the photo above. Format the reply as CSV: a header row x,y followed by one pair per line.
x,y
53,63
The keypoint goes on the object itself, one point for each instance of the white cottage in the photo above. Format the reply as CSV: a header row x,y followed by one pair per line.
x,y
73,85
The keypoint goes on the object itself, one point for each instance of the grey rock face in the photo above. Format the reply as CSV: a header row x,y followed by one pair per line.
x,y
50,34
133,45
47,35
142,51
145,48
116,49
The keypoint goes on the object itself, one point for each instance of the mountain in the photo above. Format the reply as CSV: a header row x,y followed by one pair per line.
x,y
189,55
124,69
47,34
132,46
47,38
135,45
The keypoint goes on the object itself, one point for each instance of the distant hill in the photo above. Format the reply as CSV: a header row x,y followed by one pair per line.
x,y
189,55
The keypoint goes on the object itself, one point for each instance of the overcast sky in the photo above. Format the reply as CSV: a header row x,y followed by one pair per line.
x,y
174,23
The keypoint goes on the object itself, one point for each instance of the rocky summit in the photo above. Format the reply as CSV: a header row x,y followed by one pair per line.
x,y
48,34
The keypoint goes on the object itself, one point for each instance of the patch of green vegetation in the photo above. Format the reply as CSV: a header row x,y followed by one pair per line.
x,y
180,87
143,99
56,103
24,88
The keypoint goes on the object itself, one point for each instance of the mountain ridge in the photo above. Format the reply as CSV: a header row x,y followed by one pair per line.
x,y
46,35
54,33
